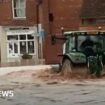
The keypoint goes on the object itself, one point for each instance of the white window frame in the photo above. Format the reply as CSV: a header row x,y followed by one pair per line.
x,y
18,41
14,17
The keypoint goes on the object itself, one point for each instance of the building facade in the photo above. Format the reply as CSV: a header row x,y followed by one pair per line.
x,y
22,21
18,29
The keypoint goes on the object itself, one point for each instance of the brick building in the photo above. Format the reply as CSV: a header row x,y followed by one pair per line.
x,y
18,29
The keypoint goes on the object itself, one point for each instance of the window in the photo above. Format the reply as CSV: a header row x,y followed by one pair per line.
x,y
70,44
19,8
92,21
94,39
12,37
88,21
23,47
100,20
21,44
22,37
30,46
30,36
26,43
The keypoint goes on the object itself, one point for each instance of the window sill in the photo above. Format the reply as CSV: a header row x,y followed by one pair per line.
x,y
19,18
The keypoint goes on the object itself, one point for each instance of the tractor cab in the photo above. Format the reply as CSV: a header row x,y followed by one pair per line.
x,y
81,44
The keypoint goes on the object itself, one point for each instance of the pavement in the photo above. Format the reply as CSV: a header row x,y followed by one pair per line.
x,y
6,70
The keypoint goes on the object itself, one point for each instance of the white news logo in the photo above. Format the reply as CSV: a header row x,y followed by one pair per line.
x,y
7,93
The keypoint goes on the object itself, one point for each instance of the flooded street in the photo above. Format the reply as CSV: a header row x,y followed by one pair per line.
x,y
77,93
29,90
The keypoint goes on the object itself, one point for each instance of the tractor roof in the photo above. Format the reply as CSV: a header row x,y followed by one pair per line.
x,y
89,32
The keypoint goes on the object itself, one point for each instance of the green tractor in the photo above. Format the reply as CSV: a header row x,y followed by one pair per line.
x,y
84,47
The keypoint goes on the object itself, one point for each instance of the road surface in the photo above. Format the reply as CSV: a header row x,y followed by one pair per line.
x,y
36,92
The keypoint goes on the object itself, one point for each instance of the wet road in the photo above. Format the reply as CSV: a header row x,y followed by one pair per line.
x,y
91,92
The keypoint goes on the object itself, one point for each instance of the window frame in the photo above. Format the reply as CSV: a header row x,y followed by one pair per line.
x,y
13,11
26,41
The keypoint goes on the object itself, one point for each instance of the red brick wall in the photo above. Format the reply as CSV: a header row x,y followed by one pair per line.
x,y
66,14
6,16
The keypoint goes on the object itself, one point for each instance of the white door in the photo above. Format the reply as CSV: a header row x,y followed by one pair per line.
x,y
13,49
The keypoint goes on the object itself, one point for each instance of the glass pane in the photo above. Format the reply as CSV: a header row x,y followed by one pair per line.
x,y
10,48
22,37
19,8
70,46
22,3
23,47
15,48
16,13
21,12
80,41
31,47
16,3
30,36
12,37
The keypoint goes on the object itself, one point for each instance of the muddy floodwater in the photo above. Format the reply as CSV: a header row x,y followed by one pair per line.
x,y
44,88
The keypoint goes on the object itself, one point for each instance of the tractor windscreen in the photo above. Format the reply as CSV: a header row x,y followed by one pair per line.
x,y
79,42
90,41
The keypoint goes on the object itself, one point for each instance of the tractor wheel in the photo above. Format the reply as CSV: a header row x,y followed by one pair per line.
x,y
67,67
